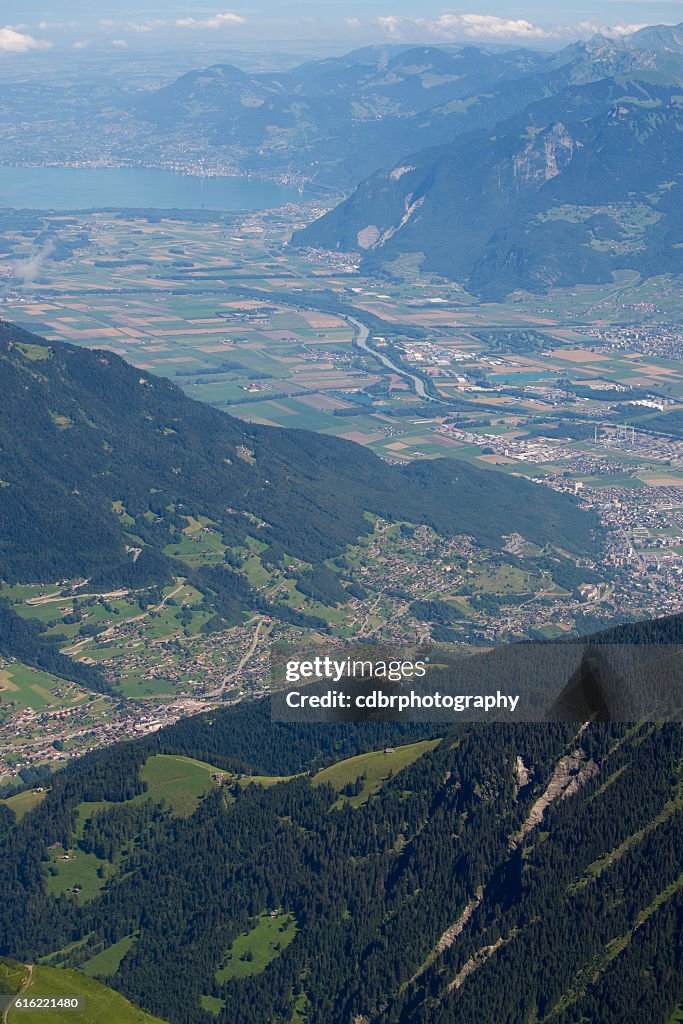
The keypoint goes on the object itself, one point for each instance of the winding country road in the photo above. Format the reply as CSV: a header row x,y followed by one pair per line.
x,y
243,660
25,985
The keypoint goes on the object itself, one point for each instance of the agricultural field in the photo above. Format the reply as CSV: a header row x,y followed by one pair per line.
x,y
28,687
573,390
213,306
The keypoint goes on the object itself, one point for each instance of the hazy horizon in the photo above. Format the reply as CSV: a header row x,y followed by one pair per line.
x,y
30,28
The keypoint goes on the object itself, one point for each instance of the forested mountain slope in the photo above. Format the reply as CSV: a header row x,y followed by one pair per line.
x,y
505,874
580,185
83,429
101,465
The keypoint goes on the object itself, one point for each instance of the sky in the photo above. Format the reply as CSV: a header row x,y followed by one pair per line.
x,y
32,27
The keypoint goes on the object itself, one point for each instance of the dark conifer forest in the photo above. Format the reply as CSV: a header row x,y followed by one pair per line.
x,y
511,873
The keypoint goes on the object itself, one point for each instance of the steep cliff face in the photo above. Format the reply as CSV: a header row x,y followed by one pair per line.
x,y
545,200
545,156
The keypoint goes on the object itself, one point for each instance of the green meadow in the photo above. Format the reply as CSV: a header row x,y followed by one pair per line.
x,y
98,1004
252,952
107,962
24,802
375,768
176,781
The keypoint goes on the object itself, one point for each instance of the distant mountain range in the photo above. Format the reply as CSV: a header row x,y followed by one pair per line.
x,y
333,121
582,184
500,169
660,38
339,119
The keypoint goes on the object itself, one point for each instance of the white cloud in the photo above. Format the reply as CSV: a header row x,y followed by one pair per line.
x,y
621,30
488,26
394,26
12,41
455,26
145,26
353,22
28,270
80,44
588,28
120,43
215,21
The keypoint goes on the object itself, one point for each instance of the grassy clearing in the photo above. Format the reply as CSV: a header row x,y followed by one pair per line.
x,y
107,962
375,768
137,687
264,780
180,782
299,1015
100,1005
252,952
34,353
212,1004
198,546
504,579
78,875
24,802
57,958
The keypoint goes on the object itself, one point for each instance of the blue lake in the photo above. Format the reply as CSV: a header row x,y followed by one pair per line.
x,y
71,188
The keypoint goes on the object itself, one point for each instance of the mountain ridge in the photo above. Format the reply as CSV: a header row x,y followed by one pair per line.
x,y
335,121
487,209
102,464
